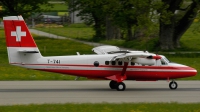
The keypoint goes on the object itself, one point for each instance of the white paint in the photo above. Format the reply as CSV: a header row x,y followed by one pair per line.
x,y
13,18
18,33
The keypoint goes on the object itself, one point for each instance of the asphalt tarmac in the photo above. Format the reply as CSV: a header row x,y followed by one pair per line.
x,y
40,92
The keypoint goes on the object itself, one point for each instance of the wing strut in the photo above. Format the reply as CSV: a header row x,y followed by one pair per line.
x,y
124,68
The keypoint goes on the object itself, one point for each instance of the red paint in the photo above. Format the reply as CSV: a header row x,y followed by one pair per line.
x,y
121,76
157,57
26,41
140,75
130,75
124,68
109,66
117,77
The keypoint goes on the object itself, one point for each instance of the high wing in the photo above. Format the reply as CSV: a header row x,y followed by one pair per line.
x,y
131,55
106,49
140,57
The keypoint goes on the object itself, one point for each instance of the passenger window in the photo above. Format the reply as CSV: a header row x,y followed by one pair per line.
x,y
119,62
107,62
113,62
132,63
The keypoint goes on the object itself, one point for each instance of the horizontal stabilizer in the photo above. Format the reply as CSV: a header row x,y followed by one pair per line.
x,y
25,51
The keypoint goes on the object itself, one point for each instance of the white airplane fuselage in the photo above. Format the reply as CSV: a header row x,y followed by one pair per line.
x,y
83,65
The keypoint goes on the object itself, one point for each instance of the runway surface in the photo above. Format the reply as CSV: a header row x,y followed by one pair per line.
x,y
39,92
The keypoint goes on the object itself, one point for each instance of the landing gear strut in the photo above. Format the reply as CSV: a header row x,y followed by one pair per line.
x,y
116,80
173,85
120,86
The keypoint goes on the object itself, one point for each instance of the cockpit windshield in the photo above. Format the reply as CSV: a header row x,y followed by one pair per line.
x,y
167,60
164,60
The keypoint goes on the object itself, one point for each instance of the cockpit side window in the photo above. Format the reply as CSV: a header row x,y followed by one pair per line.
x,y
163,61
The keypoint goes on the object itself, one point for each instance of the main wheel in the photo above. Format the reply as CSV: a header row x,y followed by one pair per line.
x,y
120,86
113,84
173,85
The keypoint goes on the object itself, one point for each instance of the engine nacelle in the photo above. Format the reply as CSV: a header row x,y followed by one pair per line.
x,y
144,61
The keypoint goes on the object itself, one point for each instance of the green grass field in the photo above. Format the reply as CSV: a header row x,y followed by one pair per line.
x,y
104,107
56,7
76,31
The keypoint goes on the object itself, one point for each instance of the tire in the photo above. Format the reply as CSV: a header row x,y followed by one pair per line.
x,y
120,86
173,85
112,84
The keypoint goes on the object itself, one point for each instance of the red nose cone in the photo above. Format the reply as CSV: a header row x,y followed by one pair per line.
x,y
194,71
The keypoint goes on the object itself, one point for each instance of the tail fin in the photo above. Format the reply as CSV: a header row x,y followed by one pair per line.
x,y
21,46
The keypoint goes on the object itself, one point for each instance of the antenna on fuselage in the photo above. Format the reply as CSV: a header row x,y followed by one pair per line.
x,y
77,53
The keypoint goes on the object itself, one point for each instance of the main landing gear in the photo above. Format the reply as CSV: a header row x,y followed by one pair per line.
x,y
120,86
173,85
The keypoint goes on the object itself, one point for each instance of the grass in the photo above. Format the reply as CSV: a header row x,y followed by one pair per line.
x,y
105,107
56,7
190,40
76,31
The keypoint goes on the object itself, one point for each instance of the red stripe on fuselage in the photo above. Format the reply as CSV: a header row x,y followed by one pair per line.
x,y
132,73
108,66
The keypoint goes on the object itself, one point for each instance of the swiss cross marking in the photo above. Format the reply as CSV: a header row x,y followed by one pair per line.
x,y
18,33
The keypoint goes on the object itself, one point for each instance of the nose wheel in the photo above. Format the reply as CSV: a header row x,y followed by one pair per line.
x,y
173,85
120,86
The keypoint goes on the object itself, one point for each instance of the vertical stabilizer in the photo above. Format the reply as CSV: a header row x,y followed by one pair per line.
x,y
21,46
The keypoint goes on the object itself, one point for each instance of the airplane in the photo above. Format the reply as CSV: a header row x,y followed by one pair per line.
x,y
109,62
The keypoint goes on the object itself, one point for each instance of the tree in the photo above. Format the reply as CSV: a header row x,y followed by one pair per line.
x,y
91,12
173,24
174,18
128,15
22,7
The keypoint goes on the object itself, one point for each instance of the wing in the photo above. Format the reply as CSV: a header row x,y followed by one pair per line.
x,y
141,58
132,55
106,49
